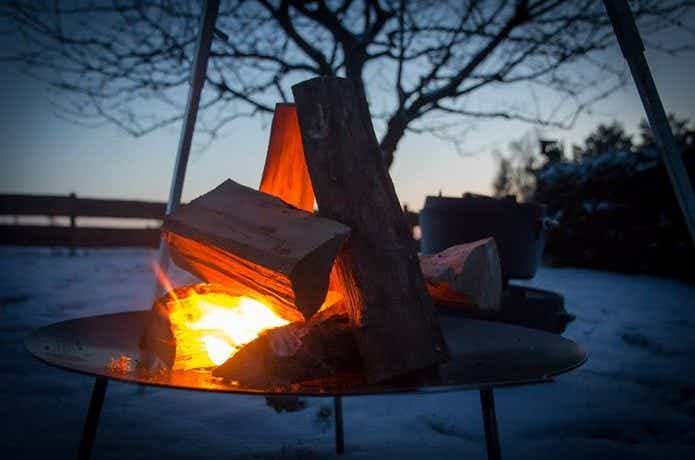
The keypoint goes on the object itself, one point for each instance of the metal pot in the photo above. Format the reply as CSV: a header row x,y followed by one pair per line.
x,y
518,228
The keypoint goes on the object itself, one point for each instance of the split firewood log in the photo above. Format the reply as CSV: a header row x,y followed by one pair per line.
x,y
285,174
295,353
245,239
466,275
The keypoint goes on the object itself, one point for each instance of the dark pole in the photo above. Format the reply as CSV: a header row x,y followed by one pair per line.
x,y
198,73
90,425
633,50
339,439
492,439
73,223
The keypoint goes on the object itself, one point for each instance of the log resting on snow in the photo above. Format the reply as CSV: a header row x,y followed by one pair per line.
x,y
244,239
396,327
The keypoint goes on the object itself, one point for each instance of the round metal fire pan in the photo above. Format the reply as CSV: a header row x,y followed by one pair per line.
x,y
484,354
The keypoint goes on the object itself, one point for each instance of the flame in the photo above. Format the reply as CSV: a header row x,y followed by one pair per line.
x,y
163,280
232,325
219,350
211,323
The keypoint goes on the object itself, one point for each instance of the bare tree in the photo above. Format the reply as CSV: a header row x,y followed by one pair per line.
x,y
516,174
425,65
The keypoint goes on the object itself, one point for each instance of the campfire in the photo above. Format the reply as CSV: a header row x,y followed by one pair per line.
x,y
290,294
209,324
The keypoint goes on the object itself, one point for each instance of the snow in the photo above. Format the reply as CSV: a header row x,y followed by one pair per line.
x,y
635,398
600,165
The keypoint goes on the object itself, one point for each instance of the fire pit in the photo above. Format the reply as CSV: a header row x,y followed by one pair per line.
x,y
297,302
485,355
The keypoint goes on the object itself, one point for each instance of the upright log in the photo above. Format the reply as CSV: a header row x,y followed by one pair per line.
x,y
397,330
285,174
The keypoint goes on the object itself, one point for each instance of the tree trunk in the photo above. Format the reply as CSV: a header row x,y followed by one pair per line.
x,y
394,133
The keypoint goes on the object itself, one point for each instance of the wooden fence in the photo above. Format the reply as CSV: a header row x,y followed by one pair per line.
x,y
73,207
72,235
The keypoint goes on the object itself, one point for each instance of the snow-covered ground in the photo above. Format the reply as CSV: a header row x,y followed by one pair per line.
x,y
635,398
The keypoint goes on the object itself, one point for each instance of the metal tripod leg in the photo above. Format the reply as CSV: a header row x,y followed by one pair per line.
x,y
492,440
339,440
92,421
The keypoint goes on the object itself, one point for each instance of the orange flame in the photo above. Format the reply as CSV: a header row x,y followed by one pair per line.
x,y
163,280
211,323
227,326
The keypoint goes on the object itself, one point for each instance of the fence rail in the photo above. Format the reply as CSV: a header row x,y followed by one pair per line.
x,y
73,207
54,205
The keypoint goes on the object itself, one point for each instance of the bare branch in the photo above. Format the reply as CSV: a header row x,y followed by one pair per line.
x,y
424,64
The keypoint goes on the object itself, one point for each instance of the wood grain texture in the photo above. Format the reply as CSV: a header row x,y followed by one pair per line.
x,y
238,236
285,174
397,330
465,276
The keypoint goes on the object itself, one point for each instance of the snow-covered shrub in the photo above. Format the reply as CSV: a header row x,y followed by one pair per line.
x,y
617,210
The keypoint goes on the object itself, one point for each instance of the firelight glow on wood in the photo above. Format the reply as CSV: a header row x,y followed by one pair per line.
x,y
210,328
206,324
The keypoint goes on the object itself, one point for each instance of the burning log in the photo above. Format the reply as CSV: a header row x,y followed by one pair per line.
x,y
295,353
384,293
250,241
467,275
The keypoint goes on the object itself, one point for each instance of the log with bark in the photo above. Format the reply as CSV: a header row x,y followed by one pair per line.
x,y
248,240
465,276
396,327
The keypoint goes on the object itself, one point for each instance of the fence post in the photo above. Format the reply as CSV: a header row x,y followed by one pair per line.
x,y
73,223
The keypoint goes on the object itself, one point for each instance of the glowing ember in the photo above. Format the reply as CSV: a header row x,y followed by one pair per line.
x,y
121,365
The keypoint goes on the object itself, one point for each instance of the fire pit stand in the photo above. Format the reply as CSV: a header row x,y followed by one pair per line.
x,y
485,355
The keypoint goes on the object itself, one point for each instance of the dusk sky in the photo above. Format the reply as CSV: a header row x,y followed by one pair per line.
x,y
42,153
